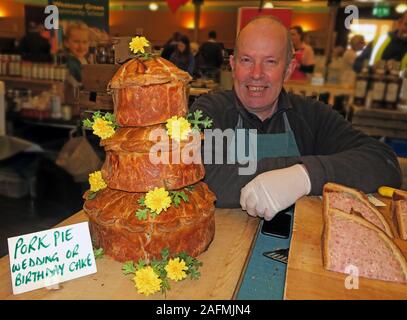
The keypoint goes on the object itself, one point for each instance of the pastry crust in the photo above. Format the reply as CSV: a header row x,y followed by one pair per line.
x,y
130,161
358,195
151,104
398,216
138,72
114,226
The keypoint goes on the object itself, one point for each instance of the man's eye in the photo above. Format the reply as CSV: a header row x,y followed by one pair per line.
x,y
271,62
244,60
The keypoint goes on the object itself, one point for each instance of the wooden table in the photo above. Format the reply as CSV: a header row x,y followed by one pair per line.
x,y
222,266
306,277
380,122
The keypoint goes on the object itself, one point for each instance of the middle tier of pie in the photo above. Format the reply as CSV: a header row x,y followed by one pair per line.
x,y
132,165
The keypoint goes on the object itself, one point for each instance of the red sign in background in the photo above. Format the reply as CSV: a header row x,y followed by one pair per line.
x,y
247,13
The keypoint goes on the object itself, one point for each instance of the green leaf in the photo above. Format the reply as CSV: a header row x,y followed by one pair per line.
x,y
142,214
198,114
128,267
195,275
165,253
87,123
109,117
99,253
207,123
141,264
177,196
92,195
141,201
190,188
195,120
153,214
165,285
97,114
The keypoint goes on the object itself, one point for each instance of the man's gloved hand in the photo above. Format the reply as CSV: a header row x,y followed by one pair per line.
x,y
275,190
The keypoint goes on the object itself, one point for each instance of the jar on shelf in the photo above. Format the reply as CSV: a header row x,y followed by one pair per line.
x,y
34,72
41,71
17,65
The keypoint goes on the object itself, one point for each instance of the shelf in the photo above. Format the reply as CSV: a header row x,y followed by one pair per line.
x,y
30,81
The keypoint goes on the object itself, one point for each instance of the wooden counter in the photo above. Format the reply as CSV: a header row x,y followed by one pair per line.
x,y
306,277
222,266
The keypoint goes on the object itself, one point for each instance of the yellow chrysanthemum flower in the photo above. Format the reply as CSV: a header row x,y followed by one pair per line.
x,y
96,181
157,200
137,44
176,269
147,281
178,128
103,128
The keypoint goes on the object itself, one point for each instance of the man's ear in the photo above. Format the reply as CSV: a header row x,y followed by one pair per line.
x,y
290,69
232,62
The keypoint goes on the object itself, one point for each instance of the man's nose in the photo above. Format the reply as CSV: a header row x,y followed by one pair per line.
x,y
257,71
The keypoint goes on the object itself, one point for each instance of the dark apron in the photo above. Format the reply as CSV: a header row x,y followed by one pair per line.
x,y
264,278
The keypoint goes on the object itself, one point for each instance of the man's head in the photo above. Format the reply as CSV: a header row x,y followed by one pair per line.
x,y
77,38
212,34
402,27
262,61
357,42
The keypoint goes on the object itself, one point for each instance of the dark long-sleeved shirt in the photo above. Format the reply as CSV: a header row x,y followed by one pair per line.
x,y
331,150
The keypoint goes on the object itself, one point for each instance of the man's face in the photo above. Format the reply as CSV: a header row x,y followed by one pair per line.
x,y
402,28
78,43
259,67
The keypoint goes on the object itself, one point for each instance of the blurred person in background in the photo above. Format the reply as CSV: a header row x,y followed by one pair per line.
x,y
357,43
209,58
182,56
171,45
33,46
77,39
303,54
391,46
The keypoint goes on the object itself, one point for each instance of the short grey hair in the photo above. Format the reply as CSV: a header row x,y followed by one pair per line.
x,y
289,45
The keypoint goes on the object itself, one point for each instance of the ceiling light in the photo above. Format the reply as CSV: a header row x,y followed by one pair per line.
x,y
401,8
153,6
268,5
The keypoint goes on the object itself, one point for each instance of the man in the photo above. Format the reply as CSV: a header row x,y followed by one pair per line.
x,y
34,47
357,43
301,143
209,58
304,55
392,46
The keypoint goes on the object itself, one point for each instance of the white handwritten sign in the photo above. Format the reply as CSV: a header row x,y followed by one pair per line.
x,y
49,257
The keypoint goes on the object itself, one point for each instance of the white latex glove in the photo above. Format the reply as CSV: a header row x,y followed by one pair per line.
x,y
275,190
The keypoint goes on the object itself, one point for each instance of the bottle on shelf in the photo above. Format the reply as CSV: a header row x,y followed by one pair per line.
x,y
17,101
393,84
17,65
379,84
402,103
56,108
362,85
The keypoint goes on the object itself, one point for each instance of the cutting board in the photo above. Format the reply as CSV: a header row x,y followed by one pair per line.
x,y
306,277
223,263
